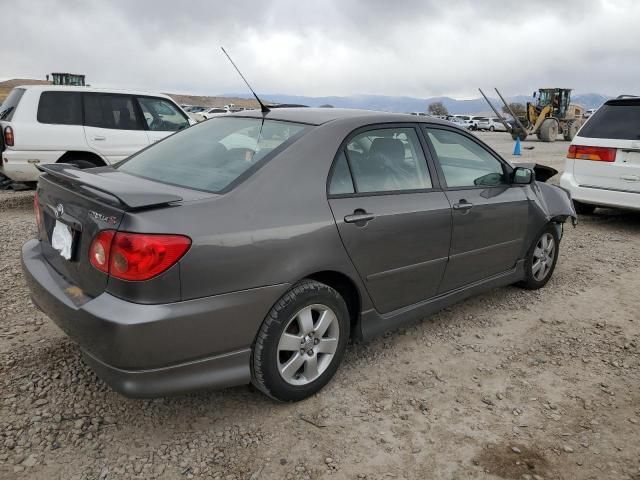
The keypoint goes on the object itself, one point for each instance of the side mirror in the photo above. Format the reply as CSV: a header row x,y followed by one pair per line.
x,y
522,176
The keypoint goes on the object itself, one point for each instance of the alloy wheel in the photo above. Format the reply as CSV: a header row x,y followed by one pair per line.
x,y
308,344
543,257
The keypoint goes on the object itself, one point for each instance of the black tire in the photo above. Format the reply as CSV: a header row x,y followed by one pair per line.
x,y
571,130
549,130
82,164
531,282
265,374
583,208
492,128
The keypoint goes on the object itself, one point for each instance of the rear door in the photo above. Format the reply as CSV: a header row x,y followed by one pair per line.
x,y
489,214
113,125
394,220
614,125
161,117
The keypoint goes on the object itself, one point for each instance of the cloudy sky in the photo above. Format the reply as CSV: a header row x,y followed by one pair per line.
x,y
334,47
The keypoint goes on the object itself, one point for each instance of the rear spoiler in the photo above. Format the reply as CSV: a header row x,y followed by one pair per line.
x,y
112,183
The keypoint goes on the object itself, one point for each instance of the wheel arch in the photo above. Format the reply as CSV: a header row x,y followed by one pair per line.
x,y
82,155
348,289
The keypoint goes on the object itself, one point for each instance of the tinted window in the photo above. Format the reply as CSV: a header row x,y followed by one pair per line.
x,y
211,155
464,162
341,182
61,108
388,160
111,111
10,103
162,115
618,120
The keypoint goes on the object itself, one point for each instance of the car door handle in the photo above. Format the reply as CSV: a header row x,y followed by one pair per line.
x,y
462,205
359,216
100,137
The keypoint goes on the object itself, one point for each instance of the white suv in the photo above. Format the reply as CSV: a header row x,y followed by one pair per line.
x,y
603,163
84,126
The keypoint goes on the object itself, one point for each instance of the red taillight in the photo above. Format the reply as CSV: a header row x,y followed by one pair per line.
x,y
99,250
136,256
598,154
8,136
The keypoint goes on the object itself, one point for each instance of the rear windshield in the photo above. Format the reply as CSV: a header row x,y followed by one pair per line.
x,y
10,103
618,120
211,155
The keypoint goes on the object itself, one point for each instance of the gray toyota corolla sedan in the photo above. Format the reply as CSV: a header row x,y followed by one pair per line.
x,y
252,247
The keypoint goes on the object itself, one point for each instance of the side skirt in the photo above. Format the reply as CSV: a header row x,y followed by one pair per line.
x,y
373,324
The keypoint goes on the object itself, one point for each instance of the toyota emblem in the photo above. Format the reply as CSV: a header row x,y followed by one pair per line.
x,y
59,210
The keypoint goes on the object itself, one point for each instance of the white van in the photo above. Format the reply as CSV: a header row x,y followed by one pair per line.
x,y
80,125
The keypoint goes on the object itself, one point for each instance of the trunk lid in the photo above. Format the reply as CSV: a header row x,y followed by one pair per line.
x,y
86,202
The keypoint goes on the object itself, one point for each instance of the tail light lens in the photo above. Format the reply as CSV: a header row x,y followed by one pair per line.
x,y
136,256
8,136
598,154
100,249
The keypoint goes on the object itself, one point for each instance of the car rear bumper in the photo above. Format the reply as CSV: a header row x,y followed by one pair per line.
x,y
606,197
20,165
153,350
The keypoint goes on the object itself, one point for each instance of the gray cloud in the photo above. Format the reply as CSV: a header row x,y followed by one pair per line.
x,y
334,47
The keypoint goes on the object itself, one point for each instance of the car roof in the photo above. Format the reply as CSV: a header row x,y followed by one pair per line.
x,y
318,116
71,88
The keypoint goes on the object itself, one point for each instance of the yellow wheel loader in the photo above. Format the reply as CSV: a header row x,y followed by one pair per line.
x,y
550,114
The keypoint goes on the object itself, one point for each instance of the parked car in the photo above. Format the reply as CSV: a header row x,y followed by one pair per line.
x,y
214,112
281,236
589,112
492,124
474,121
460,122
84,126
603,162
419,114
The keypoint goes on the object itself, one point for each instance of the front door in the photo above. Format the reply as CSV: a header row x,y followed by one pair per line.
x,y
113,126
394,221
489,214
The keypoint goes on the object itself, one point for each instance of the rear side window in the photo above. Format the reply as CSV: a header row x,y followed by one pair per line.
x,y
341,182
213,154
111,111
387,160
618,120
10,104
162,115
60,108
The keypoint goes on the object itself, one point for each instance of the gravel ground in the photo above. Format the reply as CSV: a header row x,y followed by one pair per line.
x,y
511,384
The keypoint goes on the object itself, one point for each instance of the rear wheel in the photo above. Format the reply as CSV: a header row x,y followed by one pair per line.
x,y
541,259
301,342
583,208
81,160
549,130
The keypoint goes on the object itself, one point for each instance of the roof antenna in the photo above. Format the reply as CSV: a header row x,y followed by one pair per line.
x,y
263,107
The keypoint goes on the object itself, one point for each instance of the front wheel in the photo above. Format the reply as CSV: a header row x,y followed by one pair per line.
x,y
541,259
301,342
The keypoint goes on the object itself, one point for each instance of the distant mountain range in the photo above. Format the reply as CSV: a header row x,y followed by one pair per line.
x,y
412,104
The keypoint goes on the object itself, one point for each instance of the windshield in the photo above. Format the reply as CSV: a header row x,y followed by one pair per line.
x,y
211,155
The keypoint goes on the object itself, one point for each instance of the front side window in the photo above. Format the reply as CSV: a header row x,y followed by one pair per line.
x,y
387,160
211,155
464,162
60,108
111,111
162,115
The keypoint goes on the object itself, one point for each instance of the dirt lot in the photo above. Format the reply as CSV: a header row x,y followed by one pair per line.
x,y
512,384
